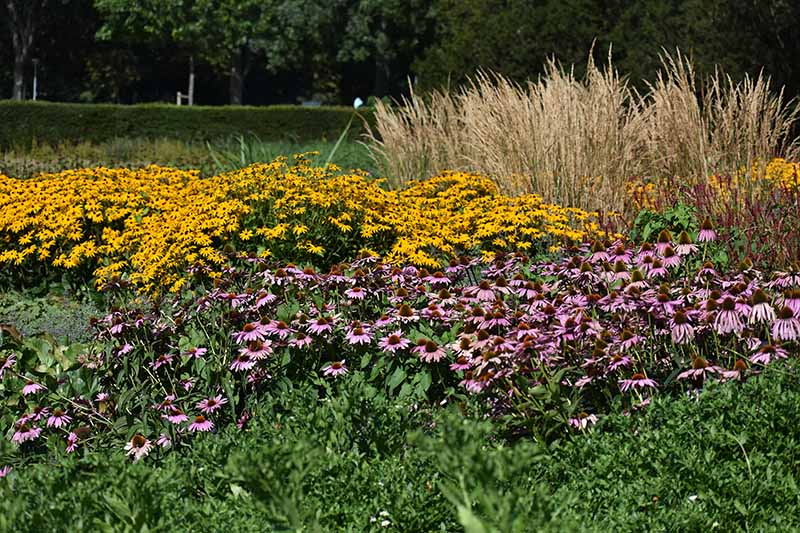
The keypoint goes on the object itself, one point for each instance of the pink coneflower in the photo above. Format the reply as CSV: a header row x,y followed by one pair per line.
x,y
791,299
25,432
201,423
657,270
700,370
58,418
583,420
164,441
670,259
483,291
161,360
102,397
257,349
175,416
707,270
250,332
766,354
241,422
31,388
685,245
599,253
7,363
72,442
628,339
138,447
682,331
738,372
358,335
707,233
383,320
437,279
125,349
406,315
394,342
39,413
619,361
356,293
337,368
300,340
462,363
320,325
762,311
664,241
429,351
187,384
264,298
278,328
637,381
786,327
728,320
242,362
4,471
209,405
197,353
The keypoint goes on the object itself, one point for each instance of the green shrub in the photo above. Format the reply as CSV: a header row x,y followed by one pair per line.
x,y
24,122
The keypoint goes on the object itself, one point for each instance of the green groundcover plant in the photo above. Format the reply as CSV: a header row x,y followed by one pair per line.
x,y
725,459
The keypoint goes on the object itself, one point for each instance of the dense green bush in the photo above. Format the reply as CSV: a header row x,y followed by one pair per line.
x,y
727,459
23,122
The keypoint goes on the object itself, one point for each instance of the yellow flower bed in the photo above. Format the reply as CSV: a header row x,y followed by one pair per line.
x,y
148,225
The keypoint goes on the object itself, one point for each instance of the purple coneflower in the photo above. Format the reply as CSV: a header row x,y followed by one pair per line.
x,y
210,405
197,353
39,413
4,471
394,342
685,245
278,328
250,332
583,420
437,279
337,368
25,432
161,360
737,372
657,270
728,320
31,388
682,331
320,325
257,349
406,315
429,351
138,447
664,241
786,326
700,370
791,299
164,441
619,361
176,416
761,311
767,353
58,418
637,381
356,293
7,363
707,233
462,363
483,291
358,334
300,340
72,442
670,258
201,423
242,362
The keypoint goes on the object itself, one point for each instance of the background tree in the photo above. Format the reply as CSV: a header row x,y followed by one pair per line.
x,y
23,18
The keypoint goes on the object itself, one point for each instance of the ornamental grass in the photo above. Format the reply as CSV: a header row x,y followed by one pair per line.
x,y
578,142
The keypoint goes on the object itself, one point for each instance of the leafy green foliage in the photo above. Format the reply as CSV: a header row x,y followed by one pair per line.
x,y
726,459
648,224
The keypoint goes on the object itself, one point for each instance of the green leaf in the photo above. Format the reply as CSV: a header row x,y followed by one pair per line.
x,y
396,378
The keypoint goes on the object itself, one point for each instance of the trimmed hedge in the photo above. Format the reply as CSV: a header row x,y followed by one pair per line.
x,y
52,123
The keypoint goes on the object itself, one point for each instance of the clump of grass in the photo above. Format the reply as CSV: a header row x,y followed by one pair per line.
x,y
579,142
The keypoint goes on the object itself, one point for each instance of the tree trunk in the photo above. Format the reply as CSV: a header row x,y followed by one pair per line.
x,y
19,77
22,19
236,88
